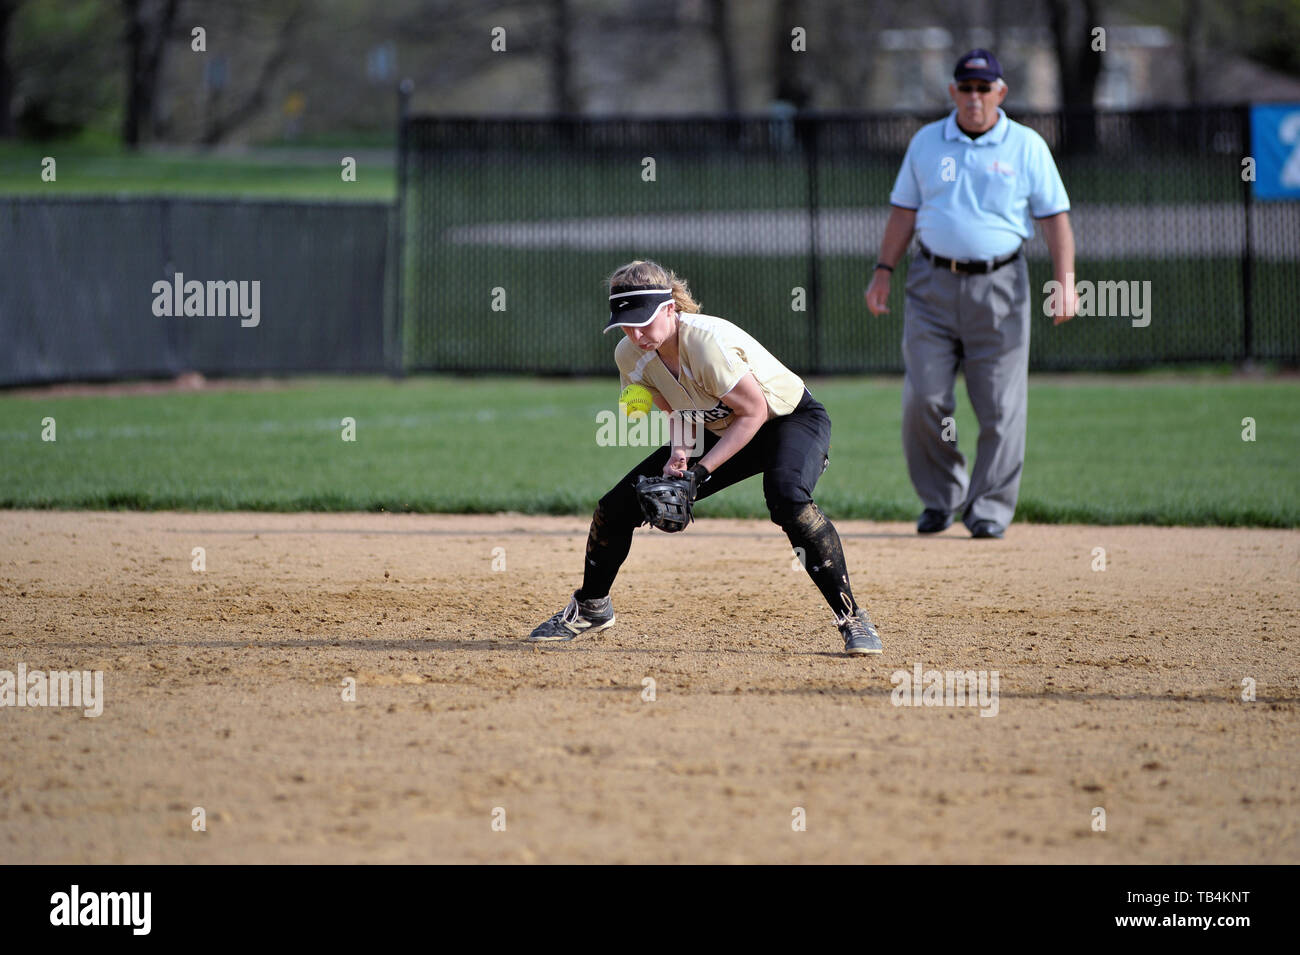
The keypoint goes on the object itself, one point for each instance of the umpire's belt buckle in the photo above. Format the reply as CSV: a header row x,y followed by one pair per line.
x,y
952,266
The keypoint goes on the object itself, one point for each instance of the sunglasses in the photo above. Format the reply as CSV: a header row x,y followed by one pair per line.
x,y
974,88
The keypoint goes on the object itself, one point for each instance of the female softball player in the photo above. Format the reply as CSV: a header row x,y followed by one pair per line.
x,y
758,419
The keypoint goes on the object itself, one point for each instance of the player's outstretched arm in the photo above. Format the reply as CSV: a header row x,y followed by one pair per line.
x,y
749,412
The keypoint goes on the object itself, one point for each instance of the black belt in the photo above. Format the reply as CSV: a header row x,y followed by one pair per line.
x,y
973,267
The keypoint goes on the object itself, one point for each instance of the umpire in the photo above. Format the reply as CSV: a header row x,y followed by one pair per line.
x,y
970,187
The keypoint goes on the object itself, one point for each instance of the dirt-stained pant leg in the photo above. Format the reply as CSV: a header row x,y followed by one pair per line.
x,y
813,535
932,351
798,448
995,335
616,516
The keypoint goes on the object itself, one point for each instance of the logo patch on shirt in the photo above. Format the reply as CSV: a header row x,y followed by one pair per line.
x,y
716,413
1001,168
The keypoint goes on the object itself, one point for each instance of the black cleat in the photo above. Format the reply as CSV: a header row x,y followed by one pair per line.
x,y
987,530
859,633
933,520
579,617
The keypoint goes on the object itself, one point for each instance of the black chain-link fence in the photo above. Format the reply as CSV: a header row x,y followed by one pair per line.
x,y
80,299
509,226
507,229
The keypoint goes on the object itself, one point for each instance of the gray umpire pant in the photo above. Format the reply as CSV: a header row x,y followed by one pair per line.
x,y
981,321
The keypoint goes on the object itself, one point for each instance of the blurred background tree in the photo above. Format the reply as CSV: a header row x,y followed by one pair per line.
x,y
63,61
315,71
7,10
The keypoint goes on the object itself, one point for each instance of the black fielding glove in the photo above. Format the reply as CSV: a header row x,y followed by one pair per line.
x,y
666,501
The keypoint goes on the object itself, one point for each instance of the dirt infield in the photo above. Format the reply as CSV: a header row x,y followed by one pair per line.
x,y
223,689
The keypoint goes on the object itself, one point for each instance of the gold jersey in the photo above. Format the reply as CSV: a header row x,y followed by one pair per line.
x,y
714,355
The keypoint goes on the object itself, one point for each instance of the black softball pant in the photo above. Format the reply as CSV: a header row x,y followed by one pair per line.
x,y
791,452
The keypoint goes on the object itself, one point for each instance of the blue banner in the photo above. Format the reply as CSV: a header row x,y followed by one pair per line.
x,y
1275,142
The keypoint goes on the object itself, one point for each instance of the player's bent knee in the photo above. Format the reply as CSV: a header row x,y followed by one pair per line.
x,y
785,494
791,515
619,506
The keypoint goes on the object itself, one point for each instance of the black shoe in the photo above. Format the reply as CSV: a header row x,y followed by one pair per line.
x,y
933,520
987,530
579,617
859,633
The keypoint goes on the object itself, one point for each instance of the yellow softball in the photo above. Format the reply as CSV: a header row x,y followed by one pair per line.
x,y
635,401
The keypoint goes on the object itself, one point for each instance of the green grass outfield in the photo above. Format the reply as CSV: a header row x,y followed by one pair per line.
x,y
97,166
88,168
1156,449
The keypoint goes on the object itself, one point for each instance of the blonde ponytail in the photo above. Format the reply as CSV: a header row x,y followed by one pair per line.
x,y
645,272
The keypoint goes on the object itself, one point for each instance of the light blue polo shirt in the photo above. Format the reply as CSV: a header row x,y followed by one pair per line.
x,y
977,198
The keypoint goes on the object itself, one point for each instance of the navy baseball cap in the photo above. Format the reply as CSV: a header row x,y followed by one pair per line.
x,y
978,65
635,305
